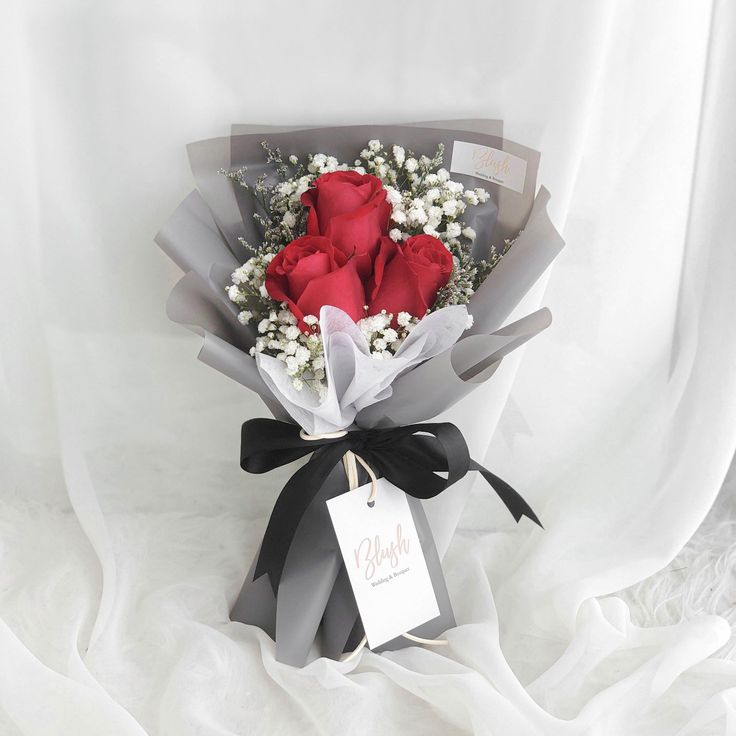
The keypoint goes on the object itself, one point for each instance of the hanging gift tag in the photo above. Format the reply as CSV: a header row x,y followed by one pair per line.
x,y
384,560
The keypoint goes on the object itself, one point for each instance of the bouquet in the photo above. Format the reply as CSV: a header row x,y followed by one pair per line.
x,y
358,279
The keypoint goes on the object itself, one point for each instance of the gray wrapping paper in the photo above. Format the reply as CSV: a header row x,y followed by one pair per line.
x,y
314,587
203,236
500,218
452,375
192,239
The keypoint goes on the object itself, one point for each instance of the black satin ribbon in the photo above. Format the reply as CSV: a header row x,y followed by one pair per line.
x,y
409,457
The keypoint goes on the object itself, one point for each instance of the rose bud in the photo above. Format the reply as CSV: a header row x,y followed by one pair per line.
x,y
406,278
351,210
309,273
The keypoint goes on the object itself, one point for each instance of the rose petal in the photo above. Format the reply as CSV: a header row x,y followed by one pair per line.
x,y
341,288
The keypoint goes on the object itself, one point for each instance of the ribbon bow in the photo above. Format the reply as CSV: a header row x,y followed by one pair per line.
x,y
409,457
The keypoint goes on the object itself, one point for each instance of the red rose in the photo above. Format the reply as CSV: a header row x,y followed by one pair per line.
x,y
310,273
351,210
406,278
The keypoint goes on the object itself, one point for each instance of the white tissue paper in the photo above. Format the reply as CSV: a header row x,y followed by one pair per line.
x,y
355,379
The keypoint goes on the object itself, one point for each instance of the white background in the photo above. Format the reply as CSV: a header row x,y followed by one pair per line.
x,y
125,523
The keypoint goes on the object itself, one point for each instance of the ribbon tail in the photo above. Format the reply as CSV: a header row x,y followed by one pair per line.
x,y
293,501
511,498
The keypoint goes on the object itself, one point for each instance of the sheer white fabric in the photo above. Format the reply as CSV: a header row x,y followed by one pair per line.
x,y
125,523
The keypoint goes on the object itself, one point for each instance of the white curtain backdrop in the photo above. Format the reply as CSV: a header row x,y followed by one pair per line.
x,y
126,525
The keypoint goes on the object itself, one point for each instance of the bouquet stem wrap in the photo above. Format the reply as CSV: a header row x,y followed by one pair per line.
x,y
410,457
